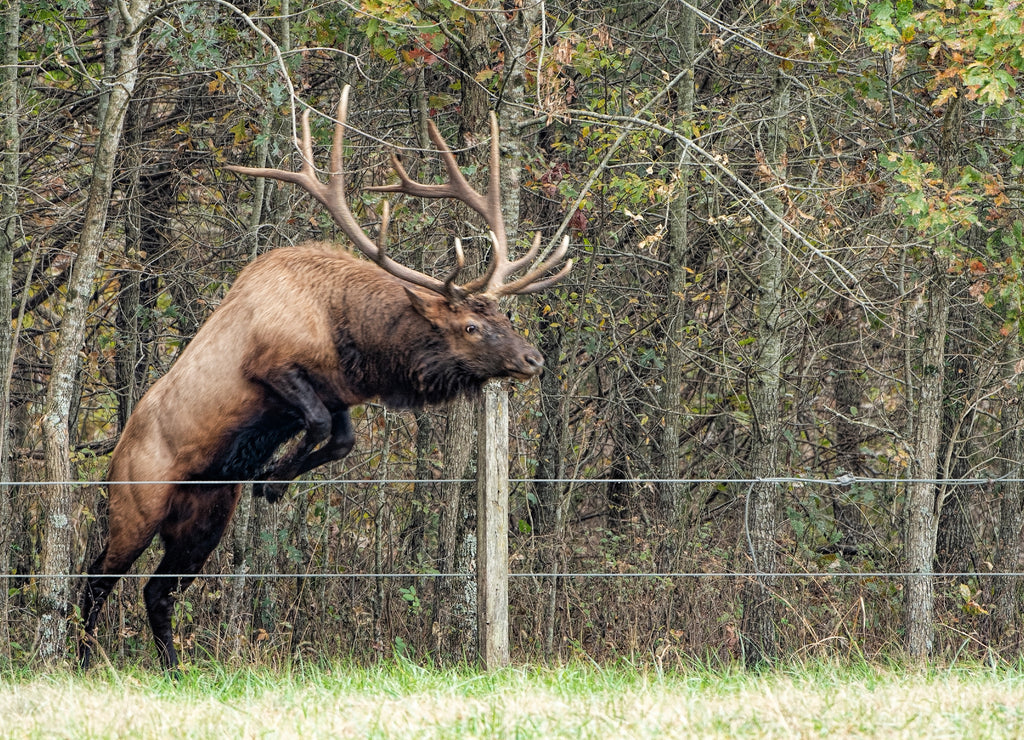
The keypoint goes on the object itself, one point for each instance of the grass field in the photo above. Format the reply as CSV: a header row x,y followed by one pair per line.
x,y
401,700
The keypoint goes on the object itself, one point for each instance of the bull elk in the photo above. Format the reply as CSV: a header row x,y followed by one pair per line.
x,y
304,334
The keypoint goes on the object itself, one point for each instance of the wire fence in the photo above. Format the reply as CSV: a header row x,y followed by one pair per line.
x,y
694,574
795,481
843,480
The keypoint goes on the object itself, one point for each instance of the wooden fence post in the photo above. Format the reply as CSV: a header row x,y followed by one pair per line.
x,y
492,527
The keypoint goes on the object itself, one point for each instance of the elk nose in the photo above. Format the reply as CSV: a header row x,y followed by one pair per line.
x,y
534,360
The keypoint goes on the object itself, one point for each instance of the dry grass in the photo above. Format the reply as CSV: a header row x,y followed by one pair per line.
x,y
404,701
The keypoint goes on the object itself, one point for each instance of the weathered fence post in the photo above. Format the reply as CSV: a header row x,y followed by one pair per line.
x,y
492,527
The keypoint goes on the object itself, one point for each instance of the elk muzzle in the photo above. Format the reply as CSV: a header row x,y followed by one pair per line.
x,y
528,364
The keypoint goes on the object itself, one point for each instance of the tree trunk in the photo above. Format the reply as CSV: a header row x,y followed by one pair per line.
x,y
424,488
551,491
239,617
759,608
11,166
1004,620
515,32
675,307
150,198
924,498
627,438
922,505
456,607
849,394
456,604
954,545
1005,617
57,497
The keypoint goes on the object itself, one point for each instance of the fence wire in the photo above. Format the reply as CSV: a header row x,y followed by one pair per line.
x,y
840,481
843,480
414,576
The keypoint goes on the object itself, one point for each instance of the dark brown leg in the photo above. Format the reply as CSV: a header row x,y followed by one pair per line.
x,y
188,543
104,573
297,391
338,446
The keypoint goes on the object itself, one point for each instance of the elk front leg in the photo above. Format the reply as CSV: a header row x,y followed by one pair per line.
x,y
340,444
343,437
292,386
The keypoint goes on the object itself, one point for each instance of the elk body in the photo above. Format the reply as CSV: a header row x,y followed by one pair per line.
x,y
304,334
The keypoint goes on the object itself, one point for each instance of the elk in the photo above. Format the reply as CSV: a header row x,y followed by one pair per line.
x,y
304,334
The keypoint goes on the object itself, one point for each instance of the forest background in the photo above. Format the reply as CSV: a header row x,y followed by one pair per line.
x,y
789,356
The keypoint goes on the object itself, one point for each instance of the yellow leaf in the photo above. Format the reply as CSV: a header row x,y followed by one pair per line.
x,y
943,96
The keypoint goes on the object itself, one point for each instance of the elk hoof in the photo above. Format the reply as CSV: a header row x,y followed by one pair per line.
x,y
272,492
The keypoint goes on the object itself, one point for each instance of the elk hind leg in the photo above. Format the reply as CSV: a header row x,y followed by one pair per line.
x,y
188,543
129,535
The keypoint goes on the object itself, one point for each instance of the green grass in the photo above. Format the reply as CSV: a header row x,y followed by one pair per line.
x,y
401,700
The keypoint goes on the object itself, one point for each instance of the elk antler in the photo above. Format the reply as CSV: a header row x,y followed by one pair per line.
x,y
493,283
332,195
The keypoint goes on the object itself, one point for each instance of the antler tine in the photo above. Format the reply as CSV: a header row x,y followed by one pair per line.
x,y
382,232
305,144
453,291
534,280
336,201
338,140
497,274
497,220
457,186
540,285
487,206
499,267
493,283
305,177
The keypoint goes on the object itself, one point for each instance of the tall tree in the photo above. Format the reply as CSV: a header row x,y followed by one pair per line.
x,y
759,600
924,497
678,269
10,167
458,543
56,419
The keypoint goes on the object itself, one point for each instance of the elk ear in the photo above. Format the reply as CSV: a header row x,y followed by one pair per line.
x,y
425,307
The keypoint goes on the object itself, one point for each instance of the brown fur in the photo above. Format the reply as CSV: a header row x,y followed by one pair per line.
x,y
304,334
